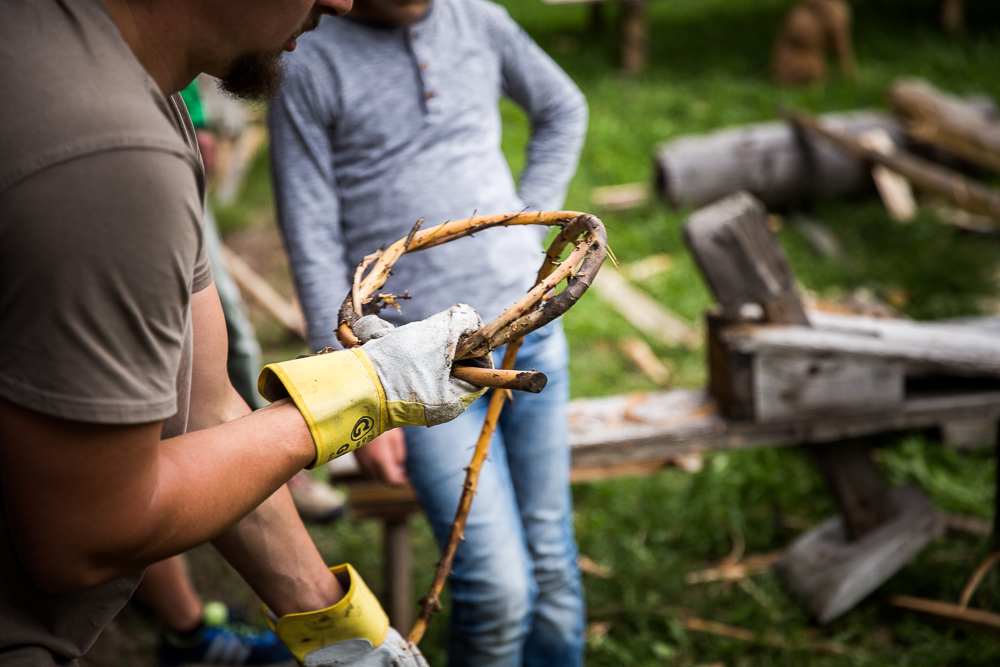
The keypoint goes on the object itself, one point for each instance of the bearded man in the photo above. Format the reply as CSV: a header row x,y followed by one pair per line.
x,y
122,442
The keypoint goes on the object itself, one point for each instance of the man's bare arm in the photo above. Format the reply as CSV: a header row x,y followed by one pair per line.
x,y
270,547
92,502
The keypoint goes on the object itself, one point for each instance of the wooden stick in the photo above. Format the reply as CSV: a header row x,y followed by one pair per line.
x,y
965,193
530,381
431,602
977,577
947,610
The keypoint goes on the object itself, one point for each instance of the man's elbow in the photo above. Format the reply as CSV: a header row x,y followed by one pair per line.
x,y
59,564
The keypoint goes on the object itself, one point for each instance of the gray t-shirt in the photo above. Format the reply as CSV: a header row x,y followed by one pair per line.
x,y
101,247
378,126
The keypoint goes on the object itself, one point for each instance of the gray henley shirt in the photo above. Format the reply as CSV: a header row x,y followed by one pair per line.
x,y
378,126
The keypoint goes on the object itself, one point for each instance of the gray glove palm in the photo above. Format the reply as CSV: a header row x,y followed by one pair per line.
x,y
414,371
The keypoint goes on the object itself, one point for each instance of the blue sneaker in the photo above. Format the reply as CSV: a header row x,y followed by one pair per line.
x,y
223,639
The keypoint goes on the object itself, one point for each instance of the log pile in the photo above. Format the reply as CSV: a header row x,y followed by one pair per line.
x,y
787,164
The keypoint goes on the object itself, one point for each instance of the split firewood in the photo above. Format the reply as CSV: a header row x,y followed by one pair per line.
x,y
250,282
620,197
812,28
643,312
895,191
646,360
932,116
966,193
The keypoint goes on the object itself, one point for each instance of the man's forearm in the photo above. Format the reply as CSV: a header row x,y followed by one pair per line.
x,y
274,554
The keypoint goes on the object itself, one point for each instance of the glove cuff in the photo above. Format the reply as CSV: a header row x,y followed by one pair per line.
x,y
339,395
358,615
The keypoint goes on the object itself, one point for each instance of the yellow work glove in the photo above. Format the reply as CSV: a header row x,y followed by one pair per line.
x,y
398,377
355,631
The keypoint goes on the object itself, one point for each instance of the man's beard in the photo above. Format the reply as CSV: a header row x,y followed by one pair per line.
x,y
254,76
257,76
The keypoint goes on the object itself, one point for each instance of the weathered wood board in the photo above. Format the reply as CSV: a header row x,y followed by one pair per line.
x,y
830,574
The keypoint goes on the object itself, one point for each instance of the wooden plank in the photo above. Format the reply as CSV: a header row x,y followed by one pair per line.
x,y
662,425
646,360
788,385
643,312
948,349
830,574
253,284
741,260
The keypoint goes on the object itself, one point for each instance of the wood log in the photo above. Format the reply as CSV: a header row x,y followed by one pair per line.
x,y
970,195
774,162
779,165
932,116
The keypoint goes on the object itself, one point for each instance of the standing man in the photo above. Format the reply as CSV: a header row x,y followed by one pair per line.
x,y
122,442
392,115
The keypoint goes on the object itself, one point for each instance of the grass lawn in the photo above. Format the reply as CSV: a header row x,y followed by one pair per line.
x,y
709,68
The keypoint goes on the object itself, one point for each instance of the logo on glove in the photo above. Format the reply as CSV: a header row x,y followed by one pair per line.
x,y
362,428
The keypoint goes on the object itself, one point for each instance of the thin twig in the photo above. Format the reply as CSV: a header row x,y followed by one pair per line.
x,y
977,577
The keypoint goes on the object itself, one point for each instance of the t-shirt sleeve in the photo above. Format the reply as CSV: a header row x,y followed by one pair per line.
x,y
98,261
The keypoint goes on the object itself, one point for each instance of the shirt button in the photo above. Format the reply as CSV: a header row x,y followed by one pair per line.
x,y
414,34
423,66
429,94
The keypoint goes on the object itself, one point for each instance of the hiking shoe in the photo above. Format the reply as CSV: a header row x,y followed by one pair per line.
x,y
316,501
223,640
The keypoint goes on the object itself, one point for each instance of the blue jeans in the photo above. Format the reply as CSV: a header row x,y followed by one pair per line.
x,y
515,588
